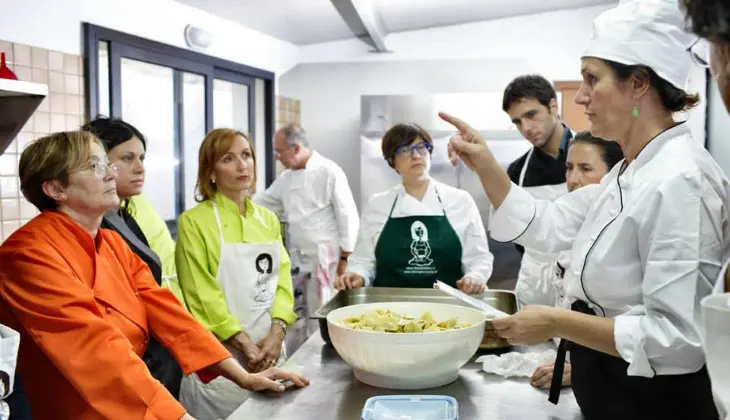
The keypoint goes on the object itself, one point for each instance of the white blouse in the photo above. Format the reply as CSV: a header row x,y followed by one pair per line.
x,y
460,209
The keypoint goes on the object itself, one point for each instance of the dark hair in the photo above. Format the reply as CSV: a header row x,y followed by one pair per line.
x,y
402,135
709,19
671,97
266,257
611,152
529,86
113,131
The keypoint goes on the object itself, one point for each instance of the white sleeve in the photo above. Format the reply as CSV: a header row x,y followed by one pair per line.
x,y
548,227
681,247
362,260
343,203
271,197
476,259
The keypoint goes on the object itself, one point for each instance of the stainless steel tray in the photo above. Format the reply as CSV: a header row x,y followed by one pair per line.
x,y
503,300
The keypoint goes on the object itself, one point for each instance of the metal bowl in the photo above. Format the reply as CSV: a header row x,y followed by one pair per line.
x,y
503,300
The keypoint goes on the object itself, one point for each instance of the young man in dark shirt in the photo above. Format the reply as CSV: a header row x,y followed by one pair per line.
x,y
532,105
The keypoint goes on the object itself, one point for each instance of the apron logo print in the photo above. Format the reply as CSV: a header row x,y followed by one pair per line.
x,y
420,248
264,265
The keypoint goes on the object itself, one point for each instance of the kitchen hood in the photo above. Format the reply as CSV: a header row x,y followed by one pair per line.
x,y
18,101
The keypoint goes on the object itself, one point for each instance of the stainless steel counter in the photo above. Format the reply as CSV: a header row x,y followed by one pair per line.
x,y
335,394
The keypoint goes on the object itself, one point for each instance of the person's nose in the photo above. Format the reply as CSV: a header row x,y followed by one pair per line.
x,y
573,179
138,167
581,96
112,171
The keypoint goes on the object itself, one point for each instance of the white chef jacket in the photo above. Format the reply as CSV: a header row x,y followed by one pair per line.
x,y
646,246
317,204
461,212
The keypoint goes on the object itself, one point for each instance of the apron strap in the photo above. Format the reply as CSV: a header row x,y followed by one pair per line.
x,y
524,167
558,369
390,213
557,381
438,196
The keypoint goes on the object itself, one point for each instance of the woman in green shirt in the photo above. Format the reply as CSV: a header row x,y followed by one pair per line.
x,y
233,270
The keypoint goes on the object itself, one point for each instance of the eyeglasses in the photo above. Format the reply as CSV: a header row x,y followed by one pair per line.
x,y
699,51
102,169
422,149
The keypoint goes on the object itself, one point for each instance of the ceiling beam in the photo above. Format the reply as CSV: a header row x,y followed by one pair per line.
x,y
364,21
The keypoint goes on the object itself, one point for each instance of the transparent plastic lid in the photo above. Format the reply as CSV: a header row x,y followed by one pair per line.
x,y
411,407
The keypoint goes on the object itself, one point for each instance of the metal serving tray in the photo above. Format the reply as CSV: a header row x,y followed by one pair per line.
x,y
503,300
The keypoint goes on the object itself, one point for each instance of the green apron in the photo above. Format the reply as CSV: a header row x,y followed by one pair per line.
x,y
415,251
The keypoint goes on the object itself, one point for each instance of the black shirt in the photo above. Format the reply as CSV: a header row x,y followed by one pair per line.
x,y
542,169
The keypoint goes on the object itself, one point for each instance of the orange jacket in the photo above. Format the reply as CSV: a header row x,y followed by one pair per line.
x,y
85,308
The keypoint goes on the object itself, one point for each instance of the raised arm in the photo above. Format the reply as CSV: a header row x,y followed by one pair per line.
x,y
541,225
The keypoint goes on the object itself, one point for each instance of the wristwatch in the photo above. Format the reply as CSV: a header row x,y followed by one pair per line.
x,y
280,323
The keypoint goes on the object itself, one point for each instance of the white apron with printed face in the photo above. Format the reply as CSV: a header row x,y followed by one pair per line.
x,y
248,275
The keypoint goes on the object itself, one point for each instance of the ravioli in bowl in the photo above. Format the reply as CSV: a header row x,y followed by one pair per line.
x,y
406,345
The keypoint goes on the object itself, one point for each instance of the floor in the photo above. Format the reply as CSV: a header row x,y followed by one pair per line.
x,y
504,275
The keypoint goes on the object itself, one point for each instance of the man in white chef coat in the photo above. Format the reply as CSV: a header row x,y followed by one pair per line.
x,y
315,199
532,105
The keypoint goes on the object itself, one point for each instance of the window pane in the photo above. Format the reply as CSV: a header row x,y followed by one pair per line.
x,y
103,75
230,105
148,104
193,92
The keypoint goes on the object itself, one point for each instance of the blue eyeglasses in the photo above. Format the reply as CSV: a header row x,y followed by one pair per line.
x,y
422,149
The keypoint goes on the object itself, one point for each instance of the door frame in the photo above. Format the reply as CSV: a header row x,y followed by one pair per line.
x,y
171,56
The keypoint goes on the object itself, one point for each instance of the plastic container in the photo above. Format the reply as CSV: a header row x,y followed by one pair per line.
x,y
411,407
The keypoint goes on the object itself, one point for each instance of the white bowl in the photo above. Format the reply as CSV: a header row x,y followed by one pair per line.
x,y
716,338
407,360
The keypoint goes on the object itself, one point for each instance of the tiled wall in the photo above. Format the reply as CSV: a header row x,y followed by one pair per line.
x,y
288,110
63,109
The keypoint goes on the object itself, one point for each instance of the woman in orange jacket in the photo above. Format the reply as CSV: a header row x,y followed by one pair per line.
x,y
86,305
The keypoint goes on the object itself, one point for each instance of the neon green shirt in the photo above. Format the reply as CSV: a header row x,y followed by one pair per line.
x,y
197,256
159,239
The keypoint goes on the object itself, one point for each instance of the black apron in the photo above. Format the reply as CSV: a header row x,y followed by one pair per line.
x,y
604,390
